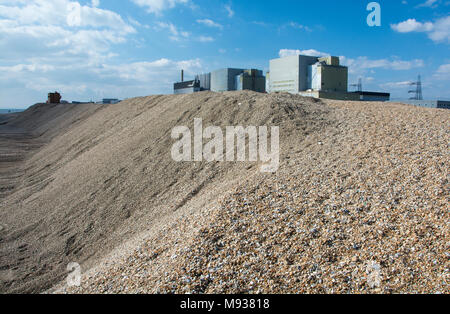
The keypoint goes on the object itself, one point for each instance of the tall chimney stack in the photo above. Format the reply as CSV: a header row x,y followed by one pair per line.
x,y
182,75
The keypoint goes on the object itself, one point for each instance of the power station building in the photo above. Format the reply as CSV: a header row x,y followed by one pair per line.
x,y
251,80
201,82
319,77
228,79
295,74
436,104
373,96
327,75
224,79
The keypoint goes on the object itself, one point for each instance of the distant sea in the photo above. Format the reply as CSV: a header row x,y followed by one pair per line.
x,y
4,111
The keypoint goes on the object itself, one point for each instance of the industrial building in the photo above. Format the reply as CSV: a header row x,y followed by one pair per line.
x,y
201,82
76,102
54,98
110,101
330,95
230,79
251,80
222,80
290,74
327,75
187,87
295,74
436,104
319,77
204,81
372,96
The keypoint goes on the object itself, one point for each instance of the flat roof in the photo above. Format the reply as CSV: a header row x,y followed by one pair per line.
x,y
372,93
186,84
423,100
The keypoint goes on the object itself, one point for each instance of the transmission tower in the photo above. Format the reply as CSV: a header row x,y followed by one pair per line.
x,y
418,90
358,86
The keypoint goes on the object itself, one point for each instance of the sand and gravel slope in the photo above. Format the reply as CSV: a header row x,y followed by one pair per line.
x,y
109,177
359,206
360,202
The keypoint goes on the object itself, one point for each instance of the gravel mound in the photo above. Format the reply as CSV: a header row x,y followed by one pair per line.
x,y
102,179
359,205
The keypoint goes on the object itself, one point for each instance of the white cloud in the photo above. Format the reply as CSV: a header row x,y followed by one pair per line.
x,y
210,23
443,72
360,64
176,34
299,26
411,25
439,31
295,52
395,85
205,39
445,68
179,35
429,4
57,29
162,71
86,82
61,13
136,23
22,68
229,11
157,6
66,46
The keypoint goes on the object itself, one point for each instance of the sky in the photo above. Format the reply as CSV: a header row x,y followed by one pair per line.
x,y
94,49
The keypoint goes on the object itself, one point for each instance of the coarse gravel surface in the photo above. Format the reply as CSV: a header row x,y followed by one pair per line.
x,y
102,177
360,204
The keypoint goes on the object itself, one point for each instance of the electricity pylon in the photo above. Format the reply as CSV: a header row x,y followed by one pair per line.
x,y
358,86
418,91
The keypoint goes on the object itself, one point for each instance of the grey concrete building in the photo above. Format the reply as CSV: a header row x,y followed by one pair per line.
x,y
296,74
251,80
230,79
201,82
290,74
373,96
327,75
330,95
315,77
110,101
204,81
187,87
224,79
437,104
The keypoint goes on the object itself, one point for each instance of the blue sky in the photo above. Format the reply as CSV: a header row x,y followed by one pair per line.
x,y
125,48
